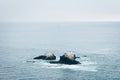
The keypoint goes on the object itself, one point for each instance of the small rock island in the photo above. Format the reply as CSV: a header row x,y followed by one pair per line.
x,y
67,58
47,56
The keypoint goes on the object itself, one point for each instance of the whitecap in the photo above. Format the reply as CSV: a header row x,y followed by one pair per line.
x,y
86,65
75,67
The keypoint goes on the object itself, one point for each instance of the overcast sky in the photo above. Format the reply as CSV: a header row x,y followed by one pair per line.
x,y
59,10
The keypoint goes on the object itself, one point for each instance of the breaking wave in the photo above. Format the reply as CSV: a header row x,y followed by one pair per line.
x,y
86,65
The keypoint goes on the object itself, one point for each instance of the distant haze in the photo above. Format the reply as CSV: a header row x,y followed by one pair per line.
x,y
59,10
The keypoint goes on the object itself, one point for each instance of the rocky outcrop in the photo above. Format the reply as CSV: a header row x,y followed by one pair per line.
x,y
67,58
47,56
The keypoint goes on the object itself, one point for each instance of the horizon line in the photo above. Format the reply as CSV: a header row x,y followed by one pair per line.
x,y
49,21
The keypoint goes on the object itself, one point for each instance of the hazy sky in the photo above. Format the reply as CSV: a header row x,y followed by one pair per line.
x,y
59,10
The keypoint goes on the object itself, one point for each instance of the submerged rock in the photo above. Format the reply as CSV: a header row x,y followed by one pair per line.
x,y
47,56
84,56
67,58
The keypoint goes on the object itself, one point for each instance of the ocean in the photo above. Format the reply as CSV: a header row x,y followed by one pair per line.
x,y
96,43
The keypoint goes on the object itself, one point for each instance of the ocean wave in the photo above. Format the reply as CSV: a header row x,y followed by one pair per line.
x,y
88,63
76,67
84,66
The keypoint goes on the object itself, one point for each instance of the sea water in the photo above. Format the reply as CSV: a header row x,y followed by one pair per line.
x,y
96,43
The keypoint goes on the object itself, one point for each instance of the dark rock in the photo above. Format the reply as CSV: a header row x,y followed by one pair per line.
x,y
84,56
47,56
67,58
40,57
31,61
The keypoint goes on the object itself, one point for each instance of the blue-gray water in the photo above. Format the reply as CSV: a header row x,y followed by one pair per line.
x,y
99,41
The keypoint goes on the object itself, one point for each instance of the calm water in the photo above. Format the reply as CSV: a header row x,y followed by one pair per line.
x,y
20,42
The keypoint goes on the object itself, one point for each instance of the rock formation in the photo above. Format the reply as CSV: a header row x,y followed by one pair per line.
x,y
47,56
67,58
